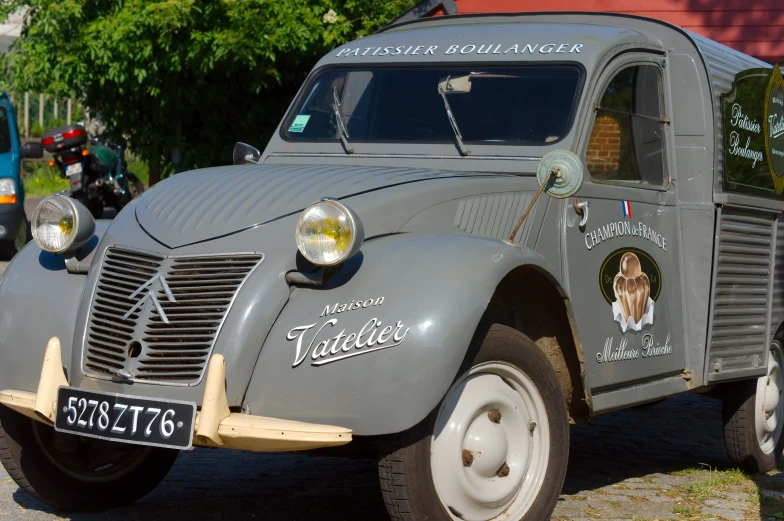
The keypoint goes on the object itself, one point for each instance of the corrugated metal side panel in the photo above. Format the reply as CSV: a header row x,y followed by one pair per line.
x,y
723,63
740,313
777,300
494,215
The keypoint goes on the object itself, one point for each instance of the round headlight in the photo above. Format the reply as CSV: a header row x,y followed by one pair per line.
x,y
328,233
61,224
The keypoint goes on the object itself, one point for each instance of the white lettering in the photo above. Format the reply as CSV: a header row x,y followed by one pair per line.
x,y
776,125
417,48
650,349
452,49
741,120
743,151
469,51
371,337
576,48
431,49
562,48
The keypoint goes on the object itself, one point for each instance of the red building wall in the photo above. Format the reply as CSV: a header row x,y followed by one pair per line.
x,y
755,27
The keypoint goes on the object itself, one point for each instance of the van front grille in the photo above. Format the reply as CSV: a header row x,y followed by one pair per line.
x,y
156,318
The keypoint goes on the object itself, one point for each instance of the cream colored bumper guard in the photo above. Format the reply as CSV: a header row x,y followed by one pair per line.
x,y
216,425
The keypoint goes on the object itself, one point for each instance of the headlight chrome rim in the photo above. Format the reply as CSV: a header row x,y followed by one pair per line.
x,y
80,233
355,227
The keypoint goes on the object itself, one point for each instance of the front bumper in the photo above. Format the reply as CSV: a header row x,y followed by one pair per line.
x,y
11,216
216,425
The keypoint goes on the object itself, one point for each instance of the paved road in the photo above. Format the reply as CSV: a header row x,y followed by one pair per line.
x,y
633,465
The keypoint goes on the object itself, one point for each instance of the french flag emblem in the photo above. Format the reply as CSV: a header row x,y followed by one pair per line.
x,y
627,209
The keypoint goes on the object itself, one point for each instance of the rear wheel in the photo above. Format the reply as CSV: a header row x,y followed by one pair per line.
x,y
497,446
74,473
753,412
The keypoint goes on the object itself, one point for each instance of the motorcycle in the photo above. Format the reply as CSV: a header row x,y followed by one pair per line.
x,y
97,173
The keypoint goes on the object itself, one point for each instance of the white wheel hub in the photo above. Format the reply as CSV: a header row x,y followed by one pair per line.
x,y
491,445
769,407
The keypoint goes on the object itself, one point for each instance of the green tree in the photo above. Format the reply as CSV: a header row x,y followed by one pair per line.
x,y
182,80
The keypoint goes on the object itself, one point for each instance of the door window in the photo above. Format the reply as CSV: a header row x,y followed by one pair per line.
x,y
626,145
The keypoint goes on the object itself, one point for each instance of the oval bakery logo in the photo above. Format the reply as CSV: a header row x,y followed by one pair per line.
x,y
774,127
630,281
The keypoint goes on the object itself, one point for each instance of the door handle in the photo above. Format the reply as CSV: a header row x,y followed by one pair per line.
x,y
581,207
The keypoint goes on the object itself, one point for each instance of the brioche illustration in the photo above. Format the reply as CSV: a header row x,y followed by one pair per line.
x,y
632,288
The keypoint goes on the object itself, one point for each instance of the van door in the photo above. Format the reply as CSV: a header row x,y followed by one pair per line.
x,y
623,264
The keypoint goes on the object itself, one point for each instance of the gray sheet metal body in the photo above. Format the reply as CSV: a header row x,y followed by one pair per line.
x,y
434,223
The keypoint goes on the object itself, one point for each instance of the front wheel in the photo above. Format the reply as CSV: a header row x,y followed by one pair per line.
x,y
76,473
498,443
753,413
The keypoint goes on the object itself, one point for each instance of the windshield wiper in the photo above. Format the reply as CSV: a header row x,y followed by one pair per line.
x,y
342,130
458,136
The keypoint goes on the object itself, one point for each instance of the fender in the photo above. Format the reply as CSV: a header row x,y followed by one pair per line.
x,y
377,347
39,299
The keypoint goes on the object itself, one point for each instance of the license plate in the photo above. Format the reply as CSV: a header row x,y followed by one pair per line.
x,y
123,418
73,169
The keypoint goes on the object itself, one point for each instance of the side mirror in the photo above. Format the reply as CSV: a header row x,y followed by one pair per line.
x,y
244,153
32,150
560,173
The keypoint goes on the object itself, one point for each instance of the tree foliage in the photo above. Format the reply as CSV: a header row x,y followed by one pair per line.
x,y
182,80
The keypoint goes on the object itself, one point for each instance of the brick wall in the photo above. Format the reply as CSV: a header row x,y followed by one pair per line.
x,y
603,155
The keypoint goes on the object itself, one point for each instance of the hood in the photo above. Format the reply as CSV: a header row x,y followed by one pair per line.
x,y
207,204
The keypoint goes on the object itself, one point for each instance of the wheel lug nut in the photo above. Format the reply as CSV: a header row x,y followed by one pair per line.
x,y
503,471
468,458
494,415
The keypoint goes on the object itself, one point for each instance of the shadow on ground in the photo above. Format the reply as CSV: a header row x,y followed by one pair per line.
x,y
681,433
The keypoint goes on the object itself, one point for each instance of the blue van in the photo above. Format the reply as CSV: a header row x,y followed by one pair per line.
x,y
13,223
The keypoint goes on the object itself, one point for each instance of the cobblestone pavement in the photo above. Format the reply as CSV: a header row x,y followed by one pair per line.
x,y
659,462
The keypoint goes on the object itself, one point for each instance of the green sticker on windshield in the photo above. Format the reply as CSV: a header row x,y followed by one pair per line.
x,y
299,124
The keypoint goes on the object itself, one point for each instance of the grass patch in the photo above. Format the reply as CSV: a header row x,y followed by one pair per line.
x,y
42,180
141,170
578,498
718,480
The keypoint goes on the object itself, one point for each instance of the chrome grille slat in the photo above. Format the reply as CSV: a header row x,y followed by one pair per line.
x,y
173,352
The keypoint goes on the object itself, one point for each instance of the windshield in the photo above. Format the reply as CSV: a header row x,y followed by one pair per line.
x,y
5,132
523,105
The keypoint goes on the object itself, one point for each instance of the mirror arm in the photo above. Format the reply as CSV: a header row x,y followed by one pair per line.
x,y
554,174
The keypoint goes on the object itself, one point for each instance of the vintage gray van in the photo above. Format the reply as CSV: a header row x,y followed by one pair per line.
x,y
467,233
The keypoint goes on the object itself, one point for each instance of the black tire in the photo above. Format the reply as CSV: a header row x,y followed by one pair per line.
x,y
739,402
404,461
9,248
33,468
